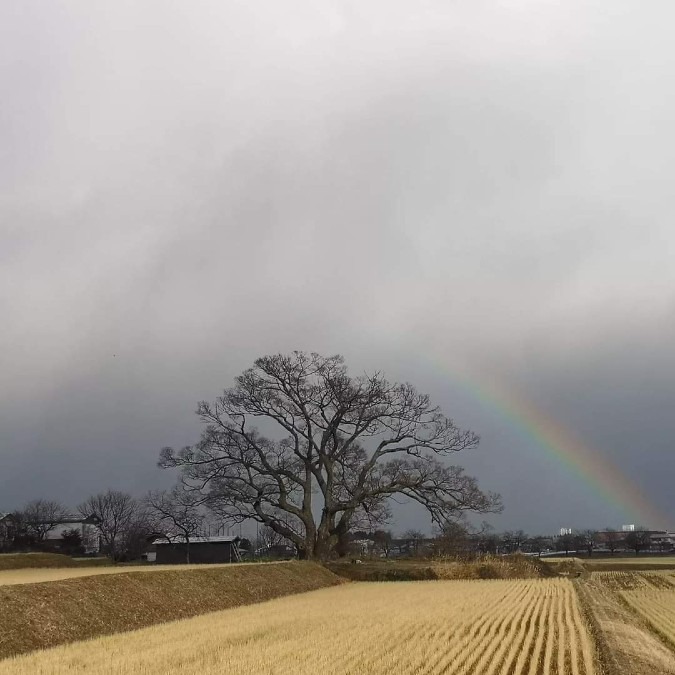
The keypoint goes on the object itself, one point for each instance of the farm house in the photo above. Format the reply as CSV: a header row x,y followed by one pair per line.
x,y
202,550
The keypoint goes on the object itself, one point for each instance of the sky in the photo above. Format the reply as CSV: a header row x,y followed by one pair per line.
x,y
473,196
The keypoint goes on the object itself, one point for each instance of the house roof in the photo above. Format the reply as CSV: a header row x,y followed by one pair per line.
x,y
76,519
196,540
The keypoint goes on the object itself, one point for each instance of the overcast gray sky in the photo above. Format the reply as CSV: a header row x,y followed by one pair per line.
x,y
456,191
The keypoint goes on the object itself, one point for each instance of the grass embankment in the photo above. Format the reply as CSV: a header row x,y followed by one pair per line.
x,y
574,564
632,564
20,561
488,567
38,575
502,627
41,615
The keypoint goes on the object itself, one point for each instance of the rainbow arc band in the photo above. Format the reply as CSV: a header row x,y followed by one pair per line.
x,y
568,451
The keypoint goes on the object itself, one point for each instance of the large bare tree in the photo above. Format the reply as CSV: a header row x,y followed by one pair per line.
x,y
334,451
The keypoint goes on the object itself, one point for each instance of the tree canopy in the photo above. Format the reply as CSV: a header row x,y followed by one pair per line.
x,y
335,449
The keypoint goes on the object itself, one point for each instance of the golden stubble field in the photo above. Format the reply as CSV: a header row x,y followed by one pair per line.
x,y
499,627
653,598
633,616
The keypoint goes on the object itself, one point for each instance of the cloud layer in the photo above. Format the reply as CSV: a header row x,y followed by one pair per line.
x,y
429,188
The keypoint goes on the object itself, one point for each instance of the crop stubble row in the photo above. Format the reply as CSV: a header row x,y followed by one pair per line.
x,y
655,602
515,627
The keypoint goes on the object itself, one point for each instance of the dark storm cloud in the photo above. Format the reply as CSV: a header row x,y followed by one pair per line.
x,y
428,188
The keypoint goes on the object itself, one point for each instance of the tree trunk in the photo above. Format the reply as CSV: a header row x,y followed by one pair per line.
x,y
323,547
342,533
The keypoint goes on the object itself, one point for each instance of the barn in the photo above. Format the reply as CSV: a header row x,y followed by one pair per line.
x,y
201,549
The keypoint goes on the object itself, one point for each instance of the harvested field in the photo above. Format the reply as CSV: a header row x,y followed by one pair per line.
x,y
622,581
521,627
627,643
40,615
40,575
634,563
655,602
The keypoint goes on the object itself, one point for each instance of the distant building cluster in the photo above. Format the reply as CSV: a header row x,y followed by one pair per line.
x,y
42,527
69,532
79,536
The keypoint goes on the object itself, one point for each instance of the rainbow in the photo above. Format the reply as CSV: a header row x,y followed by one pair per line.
x,y
568,451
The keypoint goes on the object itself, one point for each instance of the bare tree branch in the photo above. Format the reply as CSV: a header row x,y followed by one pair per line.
x,y
177,513
118,515
41,516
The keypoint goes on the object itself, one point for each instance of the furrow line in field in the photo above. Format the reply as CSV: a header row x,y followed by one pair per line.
x,y
488,612
535,658
587,651
465,655
506,657
490,644
571,633
650,608
526,646
562,637
550,638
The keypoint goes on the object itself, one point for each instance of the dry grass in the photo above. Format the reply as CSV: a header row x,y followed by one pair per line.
x,y
666,560
482,627
626,642
655,602
42,615
15,561
486,567
628,581
634,563
40,575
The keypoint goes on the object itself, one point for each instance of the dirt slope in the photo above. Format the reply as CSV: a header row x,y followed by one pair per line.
x,y
38,575
42,615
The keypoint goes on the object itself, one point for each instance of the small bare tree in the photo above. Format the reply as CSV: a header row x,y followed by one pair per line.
x,y
41,516
536,544
268,539
414,539
382,540
638,539
612,539
512,541
177,513
118,515
487,540
565,542
586,540
453,539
